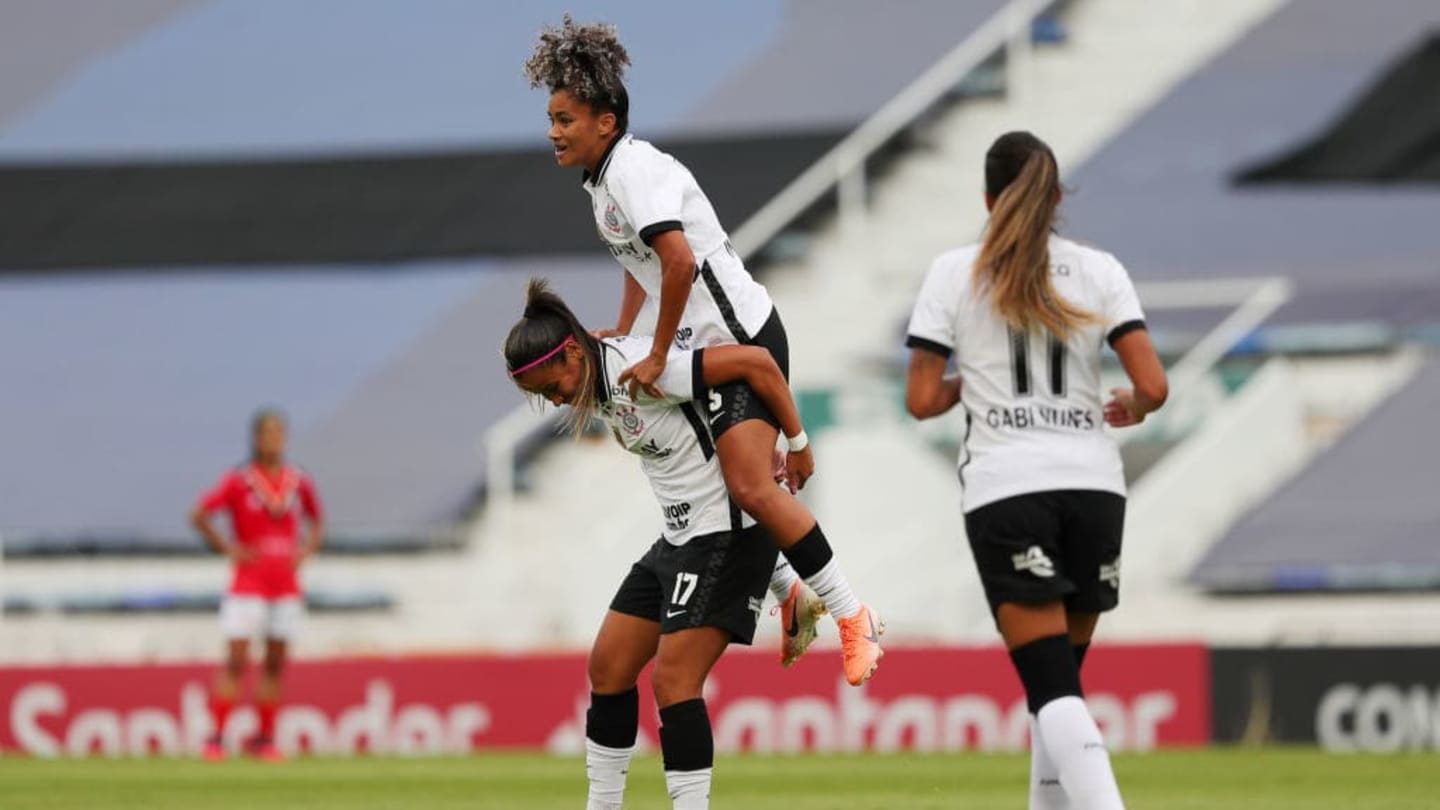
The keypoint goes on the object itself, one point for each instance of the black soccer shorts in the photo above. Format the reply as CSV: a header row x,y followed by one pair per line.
x,y
1044,546
715,580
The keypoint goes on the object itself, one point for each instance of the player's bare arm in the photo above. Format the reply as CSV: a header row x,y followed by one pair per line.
x,y
677,274
928,392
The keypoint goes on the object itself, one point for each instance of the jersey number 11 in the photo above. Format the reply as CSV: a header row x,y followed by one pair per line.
x,y
1020,363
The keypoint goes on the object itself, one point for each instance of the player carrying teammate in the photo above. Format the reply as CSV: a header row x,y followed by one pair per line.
x,y
653,217
701,586
266,499
1025,315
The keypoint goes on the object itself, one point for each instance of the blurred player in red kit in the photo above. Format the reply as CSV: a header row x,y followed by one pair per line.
x,y
265,498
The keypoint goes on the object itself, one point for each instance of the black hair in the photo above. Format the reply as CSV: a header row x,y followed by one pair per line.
x,y
258,420
587,60
547,325
1007,157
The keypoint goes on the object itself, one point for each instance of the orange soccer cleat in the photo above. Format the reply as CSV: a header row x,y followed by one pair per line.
x,y
860,644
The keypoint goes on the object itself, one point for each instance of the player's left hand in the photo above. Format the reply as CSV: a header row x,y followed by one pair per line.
x,y
777,467
798,469
642,376
300,558
1120,411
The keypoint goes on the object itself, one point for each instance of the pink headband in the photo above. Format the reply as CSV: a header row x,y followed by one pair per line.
x,y
546,356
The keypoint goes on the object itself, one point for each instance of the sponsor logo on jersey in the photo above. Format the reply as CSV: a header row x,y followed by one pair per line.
x,y
652,450
1110,574
1035,561
623,249
677,515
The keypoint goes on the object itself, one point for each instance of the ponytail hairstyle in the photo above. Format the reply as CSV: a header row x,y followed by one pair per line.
x,y
1013,268
588,61
539,339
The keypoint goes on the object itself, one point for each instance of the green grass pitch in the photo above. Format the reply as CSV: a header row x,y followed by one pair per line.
x,y
1175,780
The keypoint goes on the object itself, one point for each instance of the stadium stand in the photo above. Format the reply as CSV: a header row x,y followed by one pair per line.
x,y
392,427
1337,527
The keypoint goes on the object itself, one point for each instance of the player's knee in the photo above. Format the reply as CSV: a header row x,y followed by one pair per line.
x,y
755,497
235,665
674,684
1048,670
607,677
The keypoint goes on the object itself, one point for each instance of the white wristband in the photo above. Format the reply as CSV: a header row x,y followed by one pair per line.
x,y
798,442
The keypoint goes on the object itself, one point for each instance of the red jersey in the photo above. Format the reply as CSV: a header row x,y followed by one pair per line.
x,y
265,513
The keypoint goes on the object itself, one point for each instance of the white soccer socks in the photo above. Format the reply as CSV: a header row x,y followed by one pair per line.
x,y
1066,734
782,579
1045,790
611,725
688,747
1073,742
814,562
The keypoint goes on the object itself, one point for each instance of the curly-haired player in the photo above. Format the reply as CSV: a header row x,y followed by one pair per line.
x,y
656,221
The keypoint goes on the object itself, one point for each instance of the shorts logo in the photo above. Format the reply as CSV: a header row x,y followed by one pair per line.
x,y
630,421
756,605
1110,574
612,220
1035,561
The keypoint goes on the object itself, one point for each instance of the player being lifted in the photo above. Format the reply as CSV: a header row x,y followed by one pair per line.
x,y
656,221
1025,315
700,587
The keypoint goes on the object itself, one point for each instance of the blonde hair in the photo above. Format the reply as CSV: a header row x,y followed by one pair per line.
x,y
1013,268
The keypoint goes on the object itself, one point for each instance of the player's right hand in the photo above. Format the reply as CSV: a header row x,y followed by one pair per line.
x,y
239,553
604,333
798,469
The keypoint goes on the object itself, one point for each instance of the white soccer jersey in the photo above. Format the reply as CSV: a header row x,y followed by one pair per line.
x,y
1033,406
640,192
671,438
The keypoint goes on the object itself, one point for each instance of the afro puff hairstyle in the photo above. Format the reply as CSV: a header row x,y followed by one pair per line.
x,y
586,60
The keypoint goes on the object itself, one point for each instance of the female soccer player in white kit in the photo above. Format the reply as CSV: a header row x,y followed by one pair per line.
x,y
655,220
1025,314
700,587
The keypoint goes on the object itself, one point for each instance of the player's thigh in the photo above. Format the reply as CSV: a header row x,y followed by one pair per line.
x,y
622,648
1017,546
284,618
242,617
683,661
1094,526
630,631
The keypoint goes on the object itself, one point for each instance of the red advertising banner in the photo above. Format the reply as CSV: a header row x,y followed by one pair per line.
x,y
922,698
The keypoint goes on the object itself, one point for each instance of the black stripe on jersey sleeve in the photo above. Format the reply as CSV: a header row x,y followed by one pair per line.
x,y
697,375
702,431
1122,330
914,342
649,232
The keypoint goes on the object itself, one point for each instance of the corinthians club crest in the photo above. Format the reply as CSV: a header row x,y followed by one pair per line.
x,y
612,219
629,420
